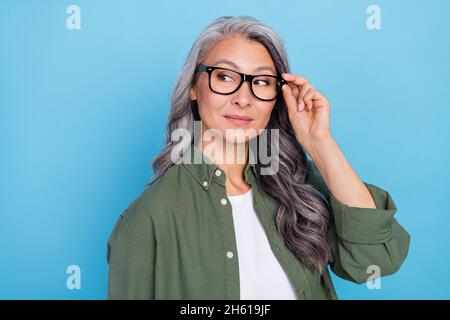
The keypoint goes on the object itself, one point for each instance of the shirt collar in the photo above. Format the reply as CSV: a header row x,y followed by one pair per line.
x,y
205,171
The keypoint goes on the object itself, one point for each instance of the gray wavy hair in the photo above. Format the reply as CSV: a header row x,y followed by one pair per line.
x,y
303,215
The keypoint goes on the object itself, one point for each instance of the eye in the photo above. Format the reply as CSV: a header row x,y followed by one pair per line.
x,y
224,77
260,82
264,81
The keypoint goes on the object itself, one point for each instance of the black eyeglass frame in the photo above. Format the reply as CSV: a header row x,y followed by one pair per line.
x,y
244,77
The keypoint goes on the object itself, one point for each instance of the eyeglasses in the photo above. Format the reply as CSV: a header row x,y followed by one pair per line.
x,y
225,81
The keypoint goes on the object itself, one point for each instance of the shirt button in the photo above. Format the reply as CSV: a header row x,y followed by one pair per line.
x,y
218,172
229,254
205,183
223,201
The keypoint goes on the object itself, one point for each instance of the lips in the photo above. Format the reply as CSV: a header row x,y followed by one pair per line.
x,y
238,120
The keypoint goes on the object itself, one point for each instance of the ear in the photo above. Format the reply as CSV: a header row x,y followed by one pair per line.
x,y
192,93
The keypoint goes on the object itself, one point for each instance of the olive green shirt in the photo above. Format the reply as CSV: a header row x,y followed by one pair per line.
x,y
176,240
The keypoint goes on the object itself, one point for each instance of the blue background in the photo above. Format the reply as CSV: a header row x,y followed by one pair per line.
x,y
83,113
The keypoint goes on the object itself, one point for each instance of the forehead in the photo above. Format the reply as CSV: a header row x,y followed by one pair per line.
x,y
246,54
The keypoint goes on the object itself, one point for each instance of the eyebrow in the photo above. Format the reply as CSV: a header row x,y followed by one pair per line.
x,y
234,65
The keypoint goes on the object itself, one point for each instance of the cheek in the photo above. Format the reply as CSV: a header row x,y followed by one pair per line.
x,y
210,106
264,116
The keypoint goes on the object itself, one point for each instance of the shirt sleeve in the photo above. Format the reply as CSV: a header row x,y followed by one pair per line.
x,y
363,238
131,249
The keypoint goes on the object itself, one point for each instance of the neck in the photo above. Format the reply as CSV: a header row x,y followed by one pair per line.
x,y
230,157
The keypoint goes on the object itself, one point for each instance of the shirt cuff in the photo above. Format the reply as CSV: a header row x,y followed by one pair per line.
x,y
365,225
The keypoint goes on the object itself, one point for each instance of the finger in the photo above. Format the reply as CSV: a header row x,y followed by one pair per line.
x,y
305,88
289,98
319,100
300,105
318,96
308,97
295,89
294,78
299,82
299,101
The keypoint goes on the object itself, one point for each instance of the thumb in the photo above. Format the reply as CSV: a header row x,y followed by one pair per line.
x,y
289,98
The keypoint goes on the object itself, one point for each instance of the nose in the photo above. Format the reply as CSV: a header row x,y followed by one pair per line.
x,y
243,96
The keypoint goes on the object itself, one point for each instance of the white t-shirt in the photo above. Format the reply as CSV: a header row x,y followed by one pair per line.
x,y
261,275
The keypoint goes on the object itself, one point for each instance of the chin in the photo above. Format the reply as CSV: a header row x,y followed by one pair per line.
x,y
238,136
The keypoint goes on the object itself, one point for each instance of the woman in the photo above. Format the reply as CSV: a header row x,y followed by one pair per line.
x,y
215,229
